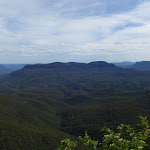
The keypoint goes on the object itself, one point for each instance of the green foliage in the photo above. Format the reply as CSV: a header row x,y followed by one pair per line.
x,y
126,138
27,124
70,97
67,144
86,140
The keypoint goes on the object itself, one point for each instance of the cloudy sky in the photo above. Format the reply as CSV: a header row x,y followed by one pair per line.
x,y
44,31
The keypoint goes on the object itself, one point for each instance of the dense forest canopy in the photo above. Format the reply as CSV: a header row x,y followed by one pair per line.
x,y
43,103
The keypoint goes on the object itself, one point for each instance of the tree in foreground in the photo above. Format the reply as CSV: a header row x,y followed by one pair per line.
x,y
127,138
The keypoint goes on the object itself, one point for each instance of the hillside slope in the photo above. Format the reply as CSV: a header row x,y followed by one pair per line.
x,y
27,124
58,98
143,66
5,70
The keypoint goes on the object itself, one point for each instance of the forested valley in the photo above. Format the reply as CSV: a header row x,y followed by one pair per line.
x,y
42,104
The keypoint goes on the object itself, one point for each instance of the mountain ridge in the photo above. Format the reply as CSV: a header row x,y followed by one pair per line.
x,y
70,64
142,65
74,98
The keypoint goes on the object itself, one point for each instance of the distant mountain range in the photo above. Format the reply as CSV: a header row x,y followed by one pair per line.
x,y
8,68
123,64
74,76
143,65
14,66
71,75
5,70
43,103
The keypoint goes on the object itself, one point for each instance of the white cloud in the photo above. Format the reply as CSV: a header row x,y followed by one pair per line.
x,y
29,28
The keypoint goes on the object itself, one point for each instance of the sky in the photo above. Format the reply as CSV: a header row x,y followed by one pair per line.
x,y
45,31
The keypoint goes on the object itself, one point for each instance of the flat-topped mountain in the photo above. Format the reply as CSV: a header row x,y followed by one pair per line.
x,y
43,99
55,65
70,65
73,76
100,64
143,65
